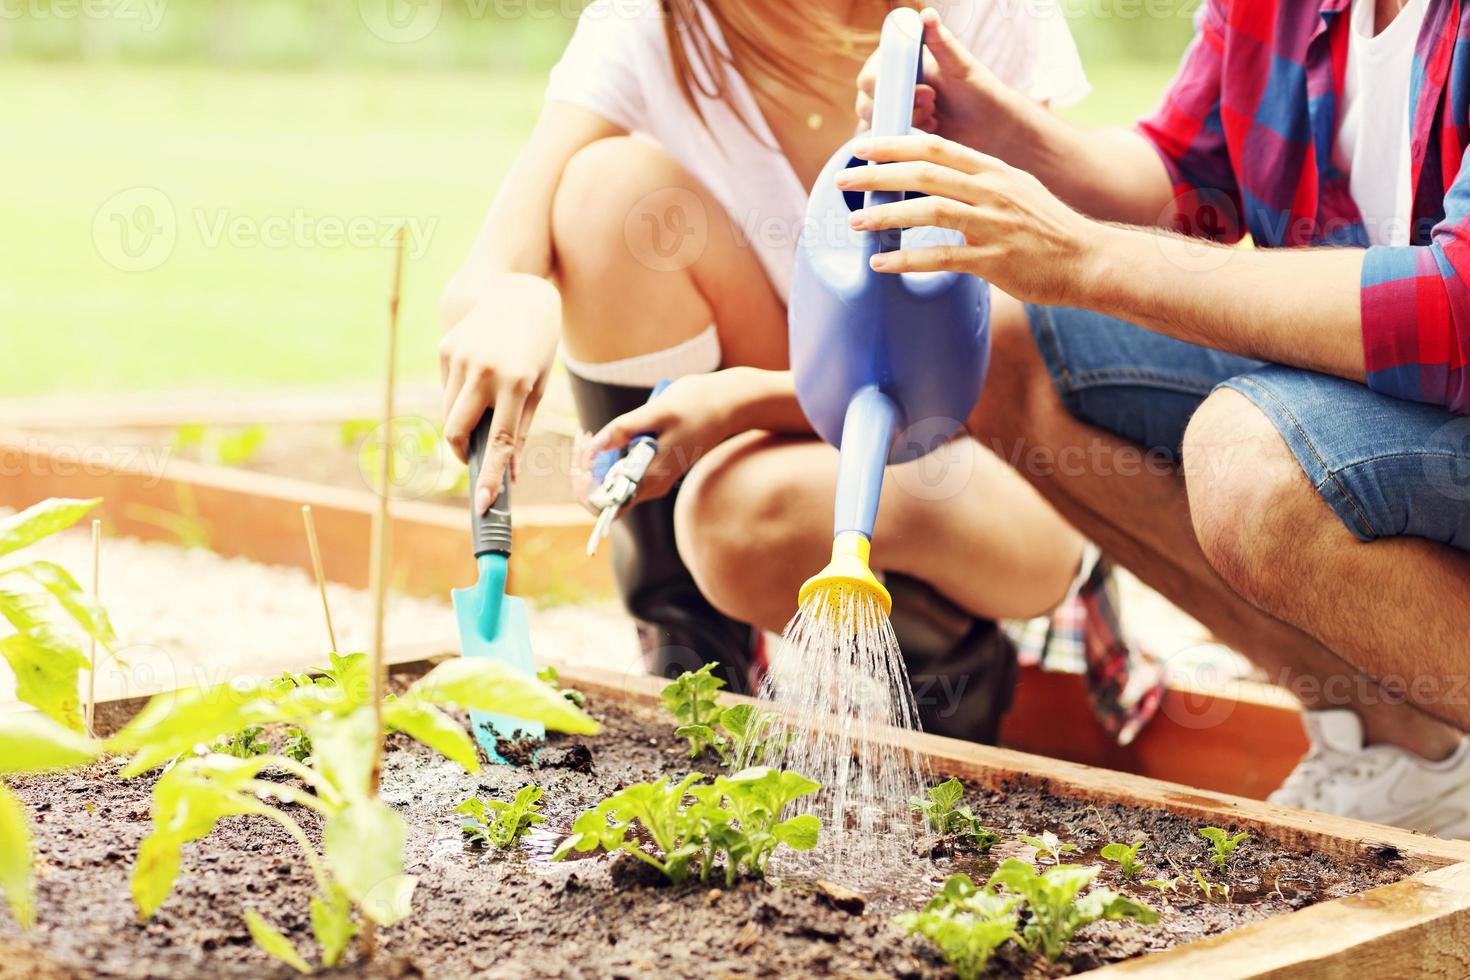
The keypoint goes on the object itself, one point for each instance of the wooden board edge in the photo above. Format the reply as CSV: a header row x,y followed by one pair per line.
x,y
1418,927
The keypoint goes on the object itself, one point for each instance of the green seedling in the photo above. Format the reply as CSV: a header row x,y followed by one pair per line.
x,y
1222,845
30,743
691,699
1054,912
236,447
1211,892
548,675
358,869
738,819
1048,847
1163,885
50,614
741,736
966,923
1125,856
243,744
943,815
296,746
499,823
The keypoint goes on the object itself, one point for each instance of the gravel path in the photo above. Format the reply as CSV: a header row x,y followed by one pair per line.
x,y
191,617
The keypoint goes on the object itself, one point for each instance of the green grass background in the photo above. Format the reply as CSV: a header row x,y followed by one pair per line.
x,y
345,141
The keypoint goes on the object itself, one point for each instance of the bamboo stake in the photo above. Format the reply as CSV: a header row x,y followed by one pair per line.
x,y
92,655
378,570
316,567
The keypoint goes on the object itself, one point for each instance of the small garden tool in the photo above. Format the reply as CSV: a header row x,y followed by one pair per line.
x,y
491,623
616,474
876,354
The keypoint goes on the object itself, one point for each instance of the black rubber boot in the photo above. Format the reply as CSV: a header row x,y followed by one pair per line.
x,y
963,669
677,627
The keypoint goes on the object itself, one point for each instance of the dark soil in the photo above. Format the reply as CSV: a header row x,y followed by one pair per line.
x,y
478,913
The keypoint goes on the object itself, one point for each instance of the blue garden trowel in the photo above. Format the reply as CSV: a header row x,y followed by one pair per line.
x,y
491,623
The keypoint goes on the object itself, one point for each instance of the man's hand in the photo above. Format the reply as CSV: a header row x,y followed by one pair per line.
x,y
497,353
959,95
1018,235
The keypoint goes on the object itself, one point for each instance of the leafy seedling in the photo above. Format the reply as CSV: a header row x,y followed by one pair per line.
x,y
498,823
549,676
943,815
358,869
1211,893
1054,912
297,745
1048,847
966,923
1125,856
742,736
691,699
737,819
244,744
48,611
1222,845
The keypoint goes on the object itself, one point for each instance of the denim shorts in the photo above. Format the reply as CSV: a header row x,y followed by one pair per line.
x,y
1387,468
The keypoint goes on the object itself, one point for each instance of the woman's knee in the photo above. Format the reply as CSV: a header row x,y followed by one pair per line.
x,y
623,201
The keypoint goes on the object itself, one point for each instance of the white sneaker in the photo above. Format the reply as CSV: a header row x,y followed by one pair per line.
x,y
1379,783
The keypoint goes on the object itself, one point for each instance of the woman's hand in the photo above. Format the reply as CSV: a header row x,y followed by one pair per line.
x,y
693,415
1018,235
497,353
959,96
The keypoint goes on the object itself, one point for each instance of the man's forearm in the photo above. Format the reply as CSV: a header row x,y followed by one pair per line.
x,y
1299,306
1108,174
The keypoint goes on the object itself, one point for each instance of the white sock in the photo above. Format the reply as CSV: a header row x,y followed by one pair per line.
x,y
699,354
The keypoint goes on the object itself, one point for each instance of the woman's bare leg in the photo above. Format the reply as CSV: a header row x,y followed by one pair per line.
x,y
755,521
646,259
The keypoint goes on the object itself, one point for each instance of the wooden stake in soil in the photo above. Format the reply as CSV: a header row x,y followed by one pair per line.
x,y
92,655
379,570
316,567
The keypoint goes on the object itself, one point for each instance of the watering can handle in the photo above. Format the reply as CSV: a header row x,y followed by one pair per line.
x,y
900,69
491,529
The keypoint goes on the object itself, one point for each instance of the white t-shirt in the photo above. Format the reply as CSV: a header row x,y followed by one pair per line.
x,y
1373,142
617,65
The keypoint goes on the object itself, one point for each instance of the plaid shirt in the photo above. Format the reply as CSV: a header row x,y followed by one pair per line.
x,y
1246,132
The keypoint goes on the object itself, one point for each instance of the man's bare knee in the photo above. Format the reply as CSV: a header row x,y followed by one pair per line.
x,y
1017,385
1248,499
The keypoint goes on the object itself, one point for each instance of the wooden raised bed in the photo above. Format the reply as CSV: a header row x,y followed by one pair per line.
x,y
1418,926
1240,739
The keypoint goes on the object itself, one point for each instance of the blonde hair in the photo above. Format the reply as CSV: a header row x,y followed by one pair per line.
x,y
753,32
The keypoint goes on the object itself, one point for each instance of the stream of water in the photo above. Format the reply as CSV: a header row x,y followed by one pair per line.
x,y
836,682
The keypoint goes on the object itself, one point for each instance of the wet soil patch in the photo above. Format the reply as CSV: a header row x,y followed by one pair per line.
x,y
485,914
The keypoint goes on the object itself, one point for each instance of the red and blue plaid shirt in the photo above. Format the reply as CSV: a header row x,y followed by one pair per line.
x,y
1246,132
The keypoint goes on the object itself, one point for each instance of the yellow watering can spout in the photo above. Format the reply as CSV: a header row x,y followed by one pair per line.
x,y
849,569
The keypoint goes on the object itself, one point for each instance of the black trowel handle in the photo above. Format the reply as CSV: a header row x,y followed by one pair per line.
x,y
491,529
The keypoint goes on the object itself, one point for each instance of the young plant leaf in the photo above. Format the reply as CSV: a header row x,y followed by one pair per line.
x,y
46,667
344,751
692,700
178,721
363,845
40,521
425,723
1222,845
36,743
1054,912
79,605
1125,856
1048,846
498,822
966,923
268,938
489,685
331,923
15,860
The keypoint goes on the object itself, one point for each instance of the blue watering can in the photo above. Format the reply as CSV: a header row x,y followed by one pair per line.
x,y
887,366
